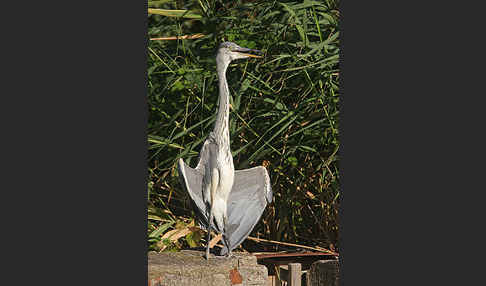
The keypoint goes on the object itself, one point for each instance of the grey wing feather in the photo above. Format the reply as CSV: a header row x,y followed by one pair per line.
x,y
247,200
192,180
204,156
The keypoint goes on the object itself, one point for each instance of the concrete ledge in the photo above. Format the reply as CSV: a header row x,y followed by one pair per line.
x,y
189,267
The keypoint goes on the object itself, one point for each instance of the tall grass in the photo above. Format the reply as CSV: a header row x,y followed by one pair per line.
x,y
284,112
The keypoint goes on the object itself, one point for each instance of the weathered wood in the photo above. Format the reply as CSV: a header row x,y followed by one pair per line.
x,y
295,274
186,268
281,260
323,273
283,275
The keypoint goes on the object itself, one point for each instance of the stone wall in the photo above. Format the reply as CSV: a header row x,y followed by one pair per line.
x,y
189,267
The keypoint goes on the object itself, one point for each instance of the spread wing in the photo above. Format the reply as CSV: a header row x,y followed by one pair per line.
x,y
193,181
247,200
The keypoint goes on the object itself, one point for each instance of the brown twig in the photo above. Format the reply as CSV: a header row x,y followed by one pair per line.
x,y
215,240
291,244
195,36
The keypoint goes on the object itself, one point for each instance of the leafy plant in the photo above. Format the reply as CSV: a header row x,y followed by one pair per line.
x,y
284,112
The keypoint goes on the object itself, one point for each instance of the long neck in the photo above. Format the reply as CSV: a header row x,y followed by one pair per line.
x,y
221,127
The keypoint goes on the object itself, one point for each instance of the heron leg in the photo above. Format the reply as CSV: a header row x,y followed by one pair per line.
x,y
209,232
230,254
225,240
212,189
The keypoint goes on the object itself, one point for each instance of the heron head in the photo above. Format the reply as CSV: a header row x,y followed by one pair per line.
x,y
229,51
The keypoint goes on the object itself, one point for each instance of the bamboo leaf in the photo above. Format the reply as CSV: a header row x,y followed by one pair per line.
x,y
161,229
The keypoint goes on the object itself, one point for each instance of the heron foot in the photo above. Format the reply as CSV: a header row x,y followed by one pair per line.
x,y
228,255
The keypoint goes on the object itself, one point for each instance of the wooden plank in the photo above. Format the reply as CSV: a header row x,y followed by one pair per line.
x,y
295,273
324,272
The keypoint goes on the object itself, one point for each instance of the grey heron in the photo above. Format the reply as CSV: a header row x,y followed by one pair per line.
x,y
228,201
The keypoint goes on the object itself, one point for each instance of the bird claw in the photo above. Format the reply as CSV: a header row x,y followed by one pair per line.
x,y
230,255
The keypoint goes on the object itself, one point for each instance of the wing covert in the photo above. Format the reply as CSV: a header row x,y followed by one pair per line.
x,y
192,180
247,200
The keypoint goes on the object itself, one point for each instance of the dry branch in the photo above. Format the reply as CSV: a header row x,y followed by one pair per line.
x,y
184,37
292,244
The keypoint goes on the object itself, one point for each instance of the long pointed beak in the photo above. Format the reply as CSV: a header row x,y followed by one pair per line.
x,y
246,52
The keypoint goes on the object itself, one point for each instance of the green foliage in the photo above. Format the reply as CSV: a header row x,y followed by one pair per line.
x,y
284,112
